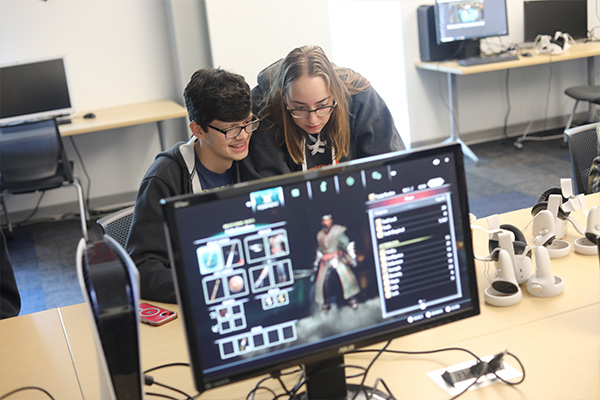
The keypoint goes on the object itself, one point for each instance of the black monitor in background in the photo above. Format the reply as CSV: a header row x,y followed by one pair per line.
x,y
260,289
469,21
34,90
545,17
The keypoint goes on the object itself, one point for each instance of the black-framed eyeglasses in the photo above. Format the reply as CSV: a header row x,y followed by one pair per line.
x,y
235,131
320,111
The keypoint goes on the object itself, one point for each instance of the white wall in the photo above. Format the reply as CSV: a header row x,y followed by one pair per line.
x,y
117,52
536,93
126,51
260,32
379,38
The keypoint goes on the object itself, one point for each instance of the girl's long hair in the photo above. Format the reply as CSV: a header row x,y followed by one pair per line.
x,y
341,82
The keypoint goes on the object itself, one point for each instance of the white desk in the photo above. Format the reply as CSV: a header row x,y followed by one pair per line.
x,y
557,339
452,70
123,116
34,352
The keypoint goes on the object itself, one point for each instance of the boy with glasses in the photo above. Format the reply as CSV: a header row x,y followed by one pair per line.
x,y
219,108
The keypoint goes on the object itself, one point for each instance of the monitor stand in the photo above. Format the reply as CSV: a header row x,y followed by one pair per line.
x,y
326,380
469,48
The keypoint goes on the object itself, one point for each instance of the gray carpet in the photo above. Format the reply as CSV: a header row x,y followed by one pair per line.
x,y
43,253
507,179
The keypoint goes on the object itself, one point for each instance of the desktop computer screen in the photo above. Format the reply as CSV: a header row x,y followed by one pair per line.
x,y
300,269
545,17
34,90
458,20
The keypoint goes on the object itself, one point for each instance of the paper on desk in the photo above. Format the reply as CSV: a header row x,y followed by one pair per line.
x,y
507,373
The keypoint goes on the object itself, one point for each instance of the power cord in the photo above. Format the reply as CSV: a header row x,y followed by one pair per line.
x,y
21,389
84,169
480,369
149,381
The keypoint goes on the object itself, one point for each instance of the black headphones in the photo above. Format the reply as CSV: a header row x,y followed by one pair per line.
x,y
542,203
519,244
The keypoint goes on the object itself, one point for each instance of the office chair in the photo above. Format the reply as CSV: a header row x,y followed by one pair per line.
x,y
117,224
33,158
590,94
583,146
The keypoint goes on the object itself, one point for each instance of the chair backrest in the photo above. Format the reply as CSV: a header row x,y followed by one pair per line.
x,y
31,151
583,146
117,224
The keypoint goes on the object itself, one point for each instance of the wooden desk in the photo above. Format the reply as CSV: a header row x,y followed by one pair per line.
x,y
557,339
452,70
159,345
34,352
123,116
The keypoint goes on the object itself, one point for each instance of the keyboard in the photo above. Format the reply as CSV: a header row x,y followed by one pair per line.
x,y
478,60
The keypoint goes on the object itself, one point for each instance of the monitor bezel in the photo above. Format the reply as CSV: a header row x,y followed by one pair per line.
x,y
532,24
315,355
438,31
46,114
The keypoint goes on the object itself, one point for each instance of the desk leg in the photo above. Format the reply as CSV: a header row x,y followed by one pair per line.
x,y
453,107
161,139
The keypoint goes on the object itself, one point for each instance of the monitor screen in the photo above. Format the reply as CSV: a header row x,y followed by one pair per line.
x,y
546,17
475,19
298,269
34,90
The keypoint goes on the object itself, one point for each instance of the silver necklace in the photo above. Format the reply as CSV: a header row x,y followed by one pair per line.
x,y
318,145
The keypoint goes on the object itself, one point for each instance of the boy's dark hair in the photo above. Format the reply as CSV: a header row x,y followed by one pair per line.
x,y
216,94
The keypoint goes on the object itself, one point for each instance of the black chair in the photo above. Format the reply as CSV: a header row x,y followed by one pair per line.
x,y
590,94
583,146
117,224
33,158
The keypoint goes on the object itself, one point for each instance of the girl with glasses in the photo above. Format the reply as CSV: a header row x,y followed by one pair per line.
x,y
314,114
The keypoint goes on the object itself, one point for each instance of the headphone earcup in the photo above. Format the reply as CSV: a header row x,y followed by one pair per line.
x,y
546,194
542,203
519,244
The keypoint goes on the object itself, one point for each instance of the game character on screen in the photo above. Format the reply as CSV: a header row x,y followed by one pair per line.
x,y
335,258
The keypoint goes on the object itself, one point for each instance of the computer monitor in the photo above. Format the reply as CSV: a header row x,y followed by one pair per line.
x,y
546,17
34,90
468,21
302,268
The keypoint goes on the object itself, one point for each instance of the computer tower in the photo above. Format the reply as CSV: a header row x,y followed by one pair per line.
x,y
429,48
110,286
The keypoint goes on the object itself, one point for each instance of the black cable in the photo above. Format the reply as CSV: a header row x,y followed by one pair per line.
x,y
251,394
187,396
257,388
176,364
508,105
27,388
89,186
164,396
477,358
149,381
548,94
276,375
420,352
379,353
35,210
